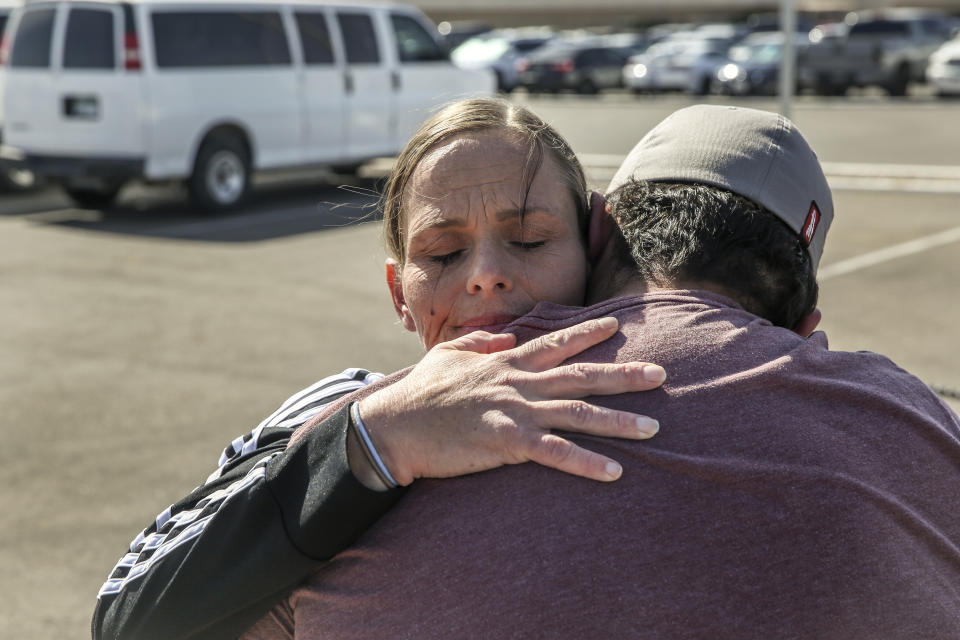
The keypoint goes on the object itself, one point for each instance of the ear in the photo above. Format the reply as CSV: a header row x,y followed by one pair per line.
x,y
601,227
808,323
395,284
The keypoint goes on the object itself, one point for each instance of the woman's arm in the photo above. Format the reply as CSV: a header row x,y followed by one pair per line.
x,y
295,503
210,564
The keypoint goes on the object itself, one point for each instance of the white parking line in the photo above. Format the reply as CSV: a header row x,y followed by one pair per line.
x,y
889,253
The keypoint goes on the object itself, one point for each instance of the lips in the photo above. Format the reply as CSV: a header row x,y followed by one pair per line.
x,y
491,323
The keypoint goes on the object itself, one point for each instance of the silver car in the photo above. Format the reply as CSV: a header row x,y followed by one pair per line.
x,y
500,51
943,69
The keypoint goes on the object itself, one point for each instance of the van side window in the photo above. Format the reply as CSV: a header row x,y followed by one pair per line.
x,y
31,43
89,41
414,44
359,38
219,39
315,38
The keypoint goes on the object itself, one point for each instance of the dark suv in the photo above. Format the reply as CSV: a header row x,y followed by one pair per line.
x,y
888,48
584,68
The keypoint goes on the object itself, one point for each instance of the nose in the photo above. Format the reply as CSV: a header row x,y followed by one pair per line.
x,y
487,272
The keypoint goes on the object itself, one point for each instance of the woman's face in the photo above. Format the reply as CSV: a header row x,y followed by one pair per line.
x,y
470,264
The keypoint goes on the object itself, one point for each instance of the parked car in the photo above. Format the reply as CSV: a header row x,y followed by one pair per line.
x,y
5,8
754,65
10,179
456,33
887,48
501,52
628,43
943,69
680,63
102,92
583,67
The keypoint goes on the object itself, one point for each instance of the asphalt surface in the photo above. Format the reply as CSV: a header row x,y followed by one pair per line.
x,y
138,342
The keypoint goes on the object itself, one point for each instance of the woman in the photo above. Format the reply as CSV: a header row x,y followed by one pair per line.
x,y
485,216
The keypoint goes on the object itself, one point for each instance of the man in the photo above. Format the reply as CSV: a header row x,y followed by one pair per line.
x,y
729,482
794,491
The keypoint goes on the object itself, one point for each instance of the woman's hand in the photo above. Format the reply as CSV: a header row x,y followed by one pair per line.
x,y
477,403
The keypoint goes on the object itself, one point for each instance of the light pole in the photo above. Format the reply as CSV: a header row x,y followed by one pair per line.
x,y
788,25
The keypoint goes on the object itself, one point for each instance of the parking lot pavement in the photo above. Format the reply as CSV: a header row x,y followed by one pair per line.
x,y
138,342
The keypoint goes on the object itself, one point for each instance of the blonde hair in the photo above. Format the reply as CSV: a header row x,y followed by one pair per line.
x,y
481,114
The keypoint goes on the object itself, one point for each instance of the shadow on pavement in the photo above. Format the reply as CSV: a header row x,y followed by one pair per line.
x,y
272,210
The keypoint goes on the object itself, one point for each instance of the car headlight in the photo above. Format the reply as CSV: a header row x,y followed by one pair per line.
x,y
638,70
728,72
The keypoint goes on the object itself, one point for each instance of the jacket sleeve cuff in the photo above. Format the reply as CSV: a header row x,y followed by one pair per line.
x,y
323,506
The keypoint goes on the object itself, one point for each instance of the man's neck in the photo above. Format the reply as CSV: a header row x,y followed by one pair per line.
x,y
620,285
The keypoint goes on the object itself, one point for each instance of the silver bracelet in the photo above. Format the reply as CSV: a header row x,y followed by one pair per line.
x,y
381,468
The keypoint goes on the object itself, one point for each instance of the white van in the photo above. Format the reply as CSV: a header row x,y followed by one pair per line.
x,y
100,92
10,178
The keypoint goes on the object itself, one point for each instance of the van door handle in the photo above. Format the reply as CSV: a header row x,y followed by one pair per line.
x,y
347,82
395,80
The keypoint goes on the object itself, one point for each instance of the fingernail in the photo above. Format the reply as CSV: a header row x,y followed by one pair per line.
x,y
647,426
608,323
654,373
614,470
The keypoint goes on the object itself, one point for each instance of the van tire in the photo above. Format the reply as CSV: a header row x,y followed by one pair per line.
x,y
87,198
221,174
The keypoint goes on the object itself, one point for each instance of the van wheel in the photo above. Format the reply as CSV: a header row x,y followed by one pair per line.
x,y
221,175
87,198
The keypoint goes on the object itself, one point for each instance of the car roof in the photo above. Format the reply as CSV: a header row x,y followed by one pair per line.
x,y
564,48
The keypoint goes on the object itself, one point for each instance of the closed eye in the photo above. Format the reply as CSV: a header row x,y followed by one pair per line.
x,y
529,245
446,258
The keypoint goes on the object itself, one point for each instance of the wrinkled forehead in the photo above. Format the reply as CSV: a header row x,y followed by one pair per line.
x,y
469,161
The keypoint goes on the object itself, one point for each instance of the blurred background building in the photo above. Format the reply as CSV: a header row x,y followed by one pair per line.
x,y
578,13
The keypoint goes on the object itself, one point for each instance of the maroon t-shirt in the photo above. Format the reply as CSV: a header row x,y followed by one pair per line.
x,y
792,492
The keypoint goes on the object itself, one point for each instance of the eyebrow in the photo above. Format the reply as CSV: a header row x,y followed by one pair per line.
x,y
501,216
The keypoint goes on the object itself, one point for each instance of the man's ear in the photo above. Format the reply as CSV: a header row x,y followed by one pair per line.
x,y
601,227
808,323
395,284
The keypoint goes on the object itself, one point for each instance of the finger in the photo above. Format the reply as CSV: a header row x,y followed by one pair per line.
x,y
557,453
481,342
583,417
588,378
551,349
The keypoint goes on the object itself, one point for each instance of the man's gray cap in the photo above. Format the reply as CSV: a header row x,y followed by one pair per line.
x,y
757,154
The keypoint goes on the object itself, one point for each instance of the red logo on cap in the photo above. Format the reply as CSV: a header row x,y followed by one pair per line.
x,y
813,219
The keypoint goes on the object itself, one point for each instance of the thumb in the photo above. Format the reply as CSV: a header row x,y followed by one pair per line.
x,y
481,342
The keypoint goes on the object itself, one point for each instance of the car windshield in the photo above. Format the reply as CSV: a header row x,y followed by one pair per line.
x,y
766,52
552,52
480,50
